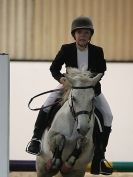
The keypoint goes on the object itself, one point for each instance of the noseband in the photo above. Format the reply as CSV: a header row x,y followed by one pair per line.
x,y
76,114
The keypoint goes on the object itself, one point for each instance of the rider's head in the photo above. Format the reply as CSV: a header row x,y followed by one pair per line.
x,y
82,31
82,22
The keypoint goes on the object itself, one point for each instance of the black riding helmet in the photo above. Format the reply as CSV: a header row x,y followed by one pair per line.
x,y
82,23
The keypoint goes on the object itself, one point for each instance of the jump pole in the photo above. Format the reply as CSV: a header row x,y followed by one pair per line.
x,y
4,115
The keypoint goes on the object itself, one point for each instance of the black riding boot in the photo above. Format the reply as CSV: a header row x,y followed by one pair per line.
x,y
99,164
34,146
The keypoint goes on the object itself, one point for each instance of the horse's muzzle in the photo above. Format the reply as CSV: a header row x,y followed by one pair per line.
x,y
82,124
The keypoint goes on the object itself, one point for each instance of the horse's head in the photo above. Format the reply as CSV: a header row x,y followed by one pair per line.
x,y
81,96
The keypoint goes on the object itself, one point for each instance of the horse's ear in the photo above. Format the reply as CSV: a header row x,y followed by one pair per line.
x,y
97,78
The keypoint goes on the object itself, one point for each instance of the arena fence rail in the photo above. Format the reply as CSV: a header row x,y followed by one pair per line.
x,y
24,165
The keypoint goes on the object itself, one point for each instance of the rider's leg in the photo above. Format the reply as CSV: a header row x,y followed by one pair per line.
x,y
34,146
100,141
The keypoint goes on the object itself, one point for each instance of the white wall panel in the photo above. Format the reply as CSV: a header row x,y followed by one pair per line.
x,y
29,79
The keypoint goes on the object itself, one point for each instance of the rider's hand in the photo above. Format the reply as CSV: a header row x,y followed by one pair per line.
x,y
66,84
63,81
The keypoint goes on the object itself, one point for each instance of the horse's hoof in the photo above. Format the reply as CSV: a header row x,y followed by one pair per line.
x,y
65,168
53,165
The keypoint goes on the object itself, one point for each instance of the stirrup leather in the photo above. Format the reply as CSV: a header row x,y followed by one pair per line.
x,y
34,139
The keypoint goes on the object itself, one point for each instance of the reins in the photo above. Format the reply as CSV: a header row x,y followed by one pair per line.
x,y
49,91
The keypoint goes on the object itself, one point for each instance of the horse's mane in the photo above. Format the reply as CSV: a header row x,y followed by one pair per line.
x,y
66,91
81,75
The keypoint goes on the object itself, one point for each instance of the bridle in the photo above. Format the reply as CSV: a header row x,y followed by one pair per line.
x,y
71,105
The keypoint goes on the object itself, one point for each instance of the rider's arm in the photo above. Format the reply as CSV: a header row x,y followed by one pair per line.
x,y
100,63
99,67
56,65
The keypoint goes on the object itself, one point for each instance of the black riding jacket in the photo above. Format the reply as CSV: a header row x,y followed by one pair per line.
x,y
68,56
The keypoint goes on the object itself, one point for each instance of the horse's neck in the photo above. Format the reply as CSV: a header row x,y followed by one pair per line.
x,y
63,121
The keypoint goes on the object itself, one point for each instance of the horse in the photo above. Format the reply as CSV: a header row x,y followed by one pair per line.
x,y
67,146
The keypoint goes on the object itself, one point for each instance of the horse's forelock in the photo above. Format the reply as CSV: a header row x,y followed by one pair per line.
x,y
78,76
73,72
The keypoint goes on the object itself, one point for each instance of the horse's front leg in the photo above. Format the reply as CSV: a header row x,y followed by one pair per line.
x,y
71,160
56,142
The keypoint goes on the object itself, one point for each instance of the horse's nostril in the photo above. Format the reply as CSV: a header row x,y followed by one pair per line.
x,y
82,132
78,130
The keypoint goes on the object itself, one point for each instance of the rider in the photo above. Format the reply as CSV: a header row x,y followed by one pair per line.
x,y
79,54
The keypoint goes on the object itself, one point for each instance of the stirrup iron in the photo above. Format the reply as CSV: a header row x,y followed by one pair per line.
x,y
34,139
